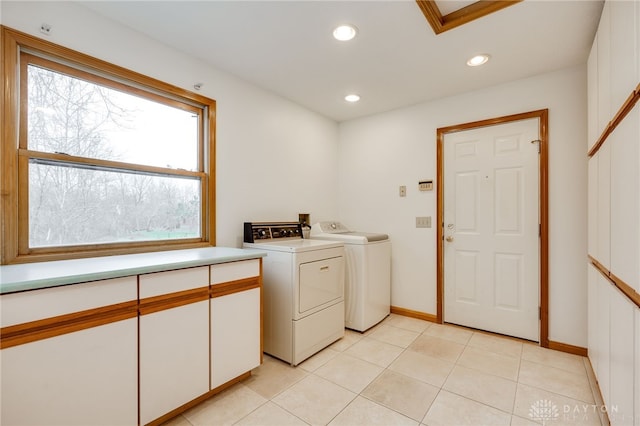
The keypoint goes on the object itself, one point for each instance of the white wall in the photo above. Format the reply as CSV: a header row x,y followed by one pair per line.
x,y
275,159
382,152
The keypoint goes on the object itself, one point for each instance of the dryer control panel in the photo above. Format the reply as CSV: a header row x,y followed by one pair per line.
x,y
264,231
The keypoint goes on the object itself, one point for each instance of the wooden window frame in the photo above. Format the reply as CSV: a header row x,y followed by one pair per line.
x,y
15,155
441,23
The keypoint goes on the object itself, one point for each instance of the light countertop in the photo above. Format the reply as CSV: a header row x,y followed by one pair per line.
x,y
34,276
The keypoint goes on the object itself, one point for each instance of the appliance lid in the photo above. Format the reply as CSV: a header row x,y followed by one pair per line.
x,y
338,231
369,236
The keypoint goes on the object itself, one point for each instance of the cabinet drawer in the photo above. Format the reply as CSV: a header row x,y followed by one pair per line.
x,y
232,271
18,308
160,283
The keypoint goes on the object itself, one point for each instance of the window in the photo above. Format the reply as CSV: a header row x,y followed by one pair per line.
x,y
102,160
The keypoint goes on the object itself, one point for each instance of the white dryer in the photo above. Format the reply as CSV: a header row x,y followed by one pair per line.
x,y
303,290
367,273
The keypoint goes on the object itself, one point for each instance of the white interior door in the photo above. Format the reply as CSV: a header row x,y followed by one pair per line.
x,y
491,228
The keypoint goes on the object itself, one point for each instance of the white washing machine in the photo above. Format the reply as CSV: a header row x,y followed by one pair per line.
x,y
303,288
367,273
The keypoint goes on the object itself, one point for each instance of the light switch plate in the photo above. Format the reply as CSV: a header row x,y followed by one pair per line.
x,y
403,191
423,222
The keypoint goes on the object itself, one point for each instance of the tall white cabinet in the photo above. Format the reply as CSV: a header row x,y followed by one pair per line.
x,y
614,210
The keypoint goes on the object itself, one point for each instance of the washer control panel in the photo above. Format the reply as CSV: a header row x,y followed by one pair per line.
x,y
265,231
333,227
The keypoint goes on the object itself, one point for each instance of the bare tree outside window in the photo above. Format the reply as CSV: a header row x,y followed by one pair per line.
x,y
72,203
97,159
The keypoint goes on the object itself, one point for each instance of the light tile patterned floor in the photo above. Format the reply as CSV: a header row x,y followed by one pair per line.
x,y
406,371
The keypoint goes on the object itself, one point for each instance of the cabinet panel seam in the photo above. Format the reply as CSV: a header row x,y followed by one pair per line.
x,y
236,286
629,292
32,331
625,109
153,304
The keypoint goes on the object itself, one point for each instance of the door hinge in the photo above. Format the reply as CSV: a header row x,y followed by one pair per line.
x,y
539,142
539,312
539,230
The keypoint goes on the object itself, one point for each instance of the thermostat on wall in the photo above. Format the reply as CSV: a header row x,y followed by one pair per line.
x,y
425,185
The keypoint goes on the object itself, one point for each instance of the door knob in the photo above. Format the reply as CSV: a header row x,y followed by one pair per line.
x,y
449,238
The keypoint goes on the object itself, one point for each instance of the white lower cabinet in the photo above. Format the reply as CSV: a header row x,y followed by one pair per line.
x,y
174,358
70,355
127,351
87,377
174,340
236,318
235,335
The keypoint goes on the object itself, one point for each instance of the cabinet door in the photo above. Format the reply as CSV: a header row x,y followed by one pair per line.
x,y
174,358
604,69
625,199
637,55
621,359
636,395
235,335
87,377
174,340
623,52
603,321
603,249
592,206
592,95
593,281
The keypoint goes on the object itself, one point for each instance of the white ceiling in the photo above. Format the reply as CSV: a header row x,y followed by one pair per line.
x,y
396,60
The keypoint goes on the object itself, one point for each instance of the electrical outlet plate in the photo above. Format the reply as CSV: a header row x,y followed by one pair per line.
x,y
423,222
403,191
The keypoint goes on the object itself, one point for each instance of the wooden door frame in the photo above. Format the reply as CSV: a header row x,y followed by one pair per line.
x,y
543,116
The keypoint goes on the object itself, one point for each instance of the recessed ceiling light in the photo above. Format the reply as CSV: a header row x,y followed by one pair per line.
x,y
345,32
478,60
352,98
